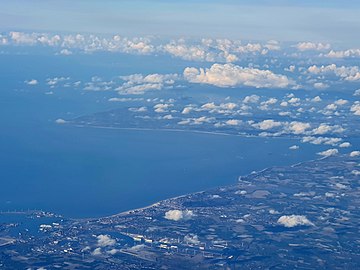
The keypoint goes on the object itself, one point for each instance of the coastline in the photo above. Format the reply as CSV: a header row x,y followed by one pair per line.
x,y
197,192
194,132
185,131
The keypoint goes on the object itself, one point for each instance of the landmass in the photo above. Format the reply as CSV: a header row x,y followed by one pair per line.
x,y
303,216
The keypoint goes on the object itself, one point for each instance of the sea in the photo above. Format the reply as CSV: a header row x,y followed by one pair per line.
x,y
92,172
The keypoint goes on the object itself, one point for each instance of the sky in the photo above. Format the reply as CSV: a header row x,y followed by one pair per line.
x,y
322,21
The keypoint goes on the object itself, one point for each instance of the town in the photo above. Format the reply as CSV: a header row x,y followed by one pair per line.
x,y
308,211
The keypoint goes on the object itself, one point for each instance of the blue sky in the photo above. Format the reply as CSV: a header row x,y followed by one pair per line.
x,y
330,21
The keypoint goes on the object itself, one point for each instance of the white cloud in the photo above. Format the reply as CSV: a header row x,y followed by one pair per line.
x,y
345,145
65,52
294,147
168,117
162,107
97,252
233,122
294,101
60,121
340,186
321,140
270,101
219,50
86,43
177,215
113,251
105,240
344,54
229,75
228,106
267,124
294,220
32,82
202,119
139,109
251,99
329,152
23,38
191,239
320,85
356,93
137,248
351,73
355,154
138,84
291,68
325,128
54,81
355,108
197,52
310,46
298,127
316,99
187,110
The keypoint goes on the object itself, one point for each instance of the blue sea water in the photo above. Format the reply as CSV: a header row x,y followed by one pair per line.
x,y
89,172
83,172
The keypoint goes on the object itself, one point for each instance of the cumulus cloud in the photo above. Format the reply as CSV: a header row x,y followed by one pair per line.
x,y
298,127
113,251
267,124
355,108
321,140
139,109
198,52
86,43
32,82
355,154
310,46
294,220
138,84
229,75
191,239
294,147
105,240
177,215
329,152
351,73
316,99
60,121
65,52
222,108
97,252
350,53
56,80
320,85
210,50
233,122
162,107
124,99
345,145
216,50
251,99
325,128
294,101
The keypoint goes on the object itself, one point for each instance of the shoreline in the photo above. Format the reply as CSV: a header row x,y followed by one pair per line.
x,y
190,193
126,212
197,192
185,131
